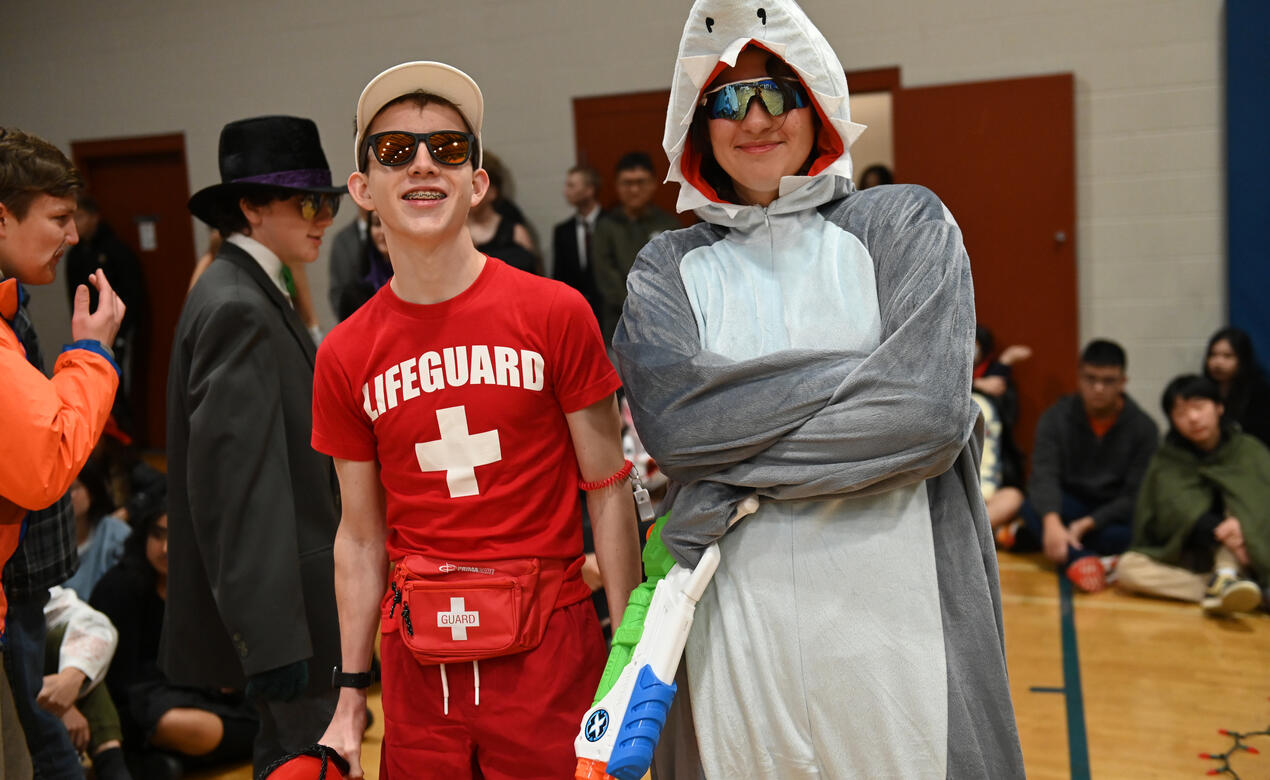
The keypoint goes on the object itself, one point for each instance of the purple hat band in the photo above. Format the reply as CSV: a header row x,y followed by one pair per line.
x,y
304,179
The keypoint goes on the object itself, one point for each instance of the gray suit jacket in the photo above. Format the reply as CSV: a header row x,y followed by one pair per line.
x,y
252,507
347,251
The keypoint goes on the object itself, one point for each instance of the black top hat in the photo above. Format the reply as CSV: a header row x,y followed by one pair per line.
x,y
274,151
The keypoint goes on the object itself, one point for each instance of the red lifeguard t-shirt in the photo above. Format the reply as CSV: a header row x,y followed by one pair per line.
x,y
463,405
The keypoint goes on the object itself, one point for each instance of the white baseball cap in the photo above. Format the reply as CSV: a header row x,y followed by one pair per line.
x,y
436,78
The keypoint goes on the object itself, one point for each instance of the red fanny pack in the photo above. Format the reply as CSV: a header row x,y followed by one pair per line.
x,y
448,611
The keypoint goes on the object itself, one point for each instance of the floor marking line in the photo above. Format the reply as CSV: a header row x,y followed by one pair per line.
x,y
1077,743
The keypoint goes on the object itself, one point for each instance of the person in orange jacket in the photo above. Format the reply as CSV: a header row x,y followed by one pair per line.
x,y
50,425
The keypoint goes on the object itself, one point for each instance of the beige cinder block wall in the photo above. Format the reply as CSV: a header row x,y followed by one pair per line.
x,y
1148,106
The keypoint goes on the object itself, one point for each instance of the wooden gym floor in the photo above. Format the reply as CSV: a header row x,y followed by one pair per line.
x,y
1105,685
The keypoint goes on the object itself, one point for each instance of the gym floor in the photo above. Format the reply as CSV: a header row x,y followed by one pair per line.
x,y
1105,685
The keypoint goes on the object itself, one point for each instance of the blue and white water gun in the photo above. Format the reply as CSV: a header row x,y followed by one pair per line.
x,y
620,731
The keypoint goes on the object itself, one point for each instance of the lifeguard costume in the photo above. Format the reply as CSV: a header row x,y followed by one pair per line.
x,y
462,404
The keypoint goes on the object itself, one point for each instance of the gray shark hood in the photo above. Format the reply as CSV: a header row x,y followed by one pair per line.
x,y
716,32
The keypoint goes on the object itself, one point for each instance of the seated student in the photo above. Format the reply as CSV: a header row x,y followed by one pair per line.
x,y
81,642
1202,524
99,531
125,472
1001,500
1091,450
1245,392
1001,464
193,726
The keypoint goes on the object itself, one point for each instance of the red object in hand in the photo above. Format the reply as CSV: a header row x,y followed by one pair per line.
x,y
318,762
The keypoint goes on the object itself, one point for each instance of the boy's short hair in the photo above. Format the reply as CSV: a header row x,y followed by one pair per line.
x,y
635,161
1188,387
226,213
419,99
30,167
588,173
1101,352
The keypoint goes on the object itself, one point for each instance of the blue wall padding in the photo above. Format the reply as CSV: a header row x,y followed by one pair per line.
x,y
1248,168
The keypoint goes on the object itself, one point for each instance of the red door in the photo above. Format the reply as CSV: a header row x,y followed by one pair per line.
x,y
609,126
1001,155
142,186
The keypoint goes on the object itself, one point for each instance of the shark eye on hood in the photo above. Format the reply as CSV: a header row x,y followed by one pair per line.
x,y
709,24
762,15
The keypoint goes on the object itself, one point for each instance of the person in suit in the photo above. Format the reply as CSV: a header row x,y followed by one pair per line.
x,y
572,258
348,255
624,231
252,514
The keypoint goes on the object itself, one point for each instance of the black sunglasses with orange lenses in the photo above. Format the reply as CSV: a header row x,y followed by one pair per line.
x,y
398,147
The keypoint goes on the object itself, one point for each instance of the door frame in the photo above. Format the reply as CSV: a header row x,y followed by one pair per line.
x,y
150,383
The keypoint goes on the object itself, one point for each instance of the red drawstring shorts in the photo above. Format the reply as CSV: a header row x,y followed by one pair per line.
x,y
519,723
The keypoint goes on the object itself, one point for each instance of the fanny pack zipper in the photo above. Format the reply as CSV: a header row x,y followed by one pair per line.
x,y
396,599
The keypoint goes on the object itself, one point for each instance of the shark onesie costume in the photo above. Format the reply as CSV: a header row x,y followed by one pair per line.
x,y
817,353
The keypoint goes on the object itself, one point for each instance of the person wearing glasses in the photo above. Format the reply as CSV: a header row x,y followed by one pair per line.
x,y
251,595
811,347
464,404
623,231
1091,453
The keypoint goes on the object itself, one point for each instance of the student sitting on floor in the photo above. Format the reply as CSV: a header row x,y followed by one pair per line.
x,y
81,642
1204,507
100,532
166,728
1092,448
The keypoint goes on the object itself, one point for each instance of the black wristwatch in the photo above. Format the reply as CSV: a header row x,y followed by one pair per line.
x,y
349,680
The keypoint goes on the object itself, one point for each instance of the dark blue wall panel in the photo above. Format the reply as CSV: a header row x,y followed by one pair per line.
x,y
1248,167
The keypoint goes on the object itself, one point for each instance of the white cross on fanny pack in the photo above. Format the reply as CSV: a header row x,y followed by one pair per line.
x,y
458,619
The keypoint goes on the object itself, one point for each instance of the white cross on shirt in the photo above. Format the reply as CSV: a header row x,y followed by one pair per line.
x,y
458,453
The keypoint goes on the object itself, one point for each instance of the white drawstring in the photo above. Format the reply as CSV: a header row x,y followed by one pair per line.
x,y
445,690
476,685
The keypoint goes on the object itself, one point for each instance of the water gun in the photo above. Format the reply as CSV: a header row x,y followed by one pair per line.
x,y
622,727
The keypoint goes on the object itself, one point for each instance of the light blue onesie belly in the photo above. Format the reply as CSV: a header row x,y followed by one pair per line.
x,y
818,650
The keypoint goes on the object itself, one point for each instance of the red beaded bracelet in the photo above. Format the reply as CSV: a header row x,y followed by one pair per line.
x,y
621,474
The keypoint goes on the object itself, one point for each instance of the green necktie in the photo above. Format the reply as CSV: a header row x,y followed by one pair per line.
x,y
289,281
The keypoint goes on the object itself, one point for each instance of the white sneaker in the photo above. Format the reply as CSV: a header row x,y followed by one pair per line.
x,y
1227,595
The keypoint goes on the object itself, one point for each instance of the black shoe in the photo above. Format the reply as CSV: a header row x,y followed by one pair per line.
x,y
109,765
161,766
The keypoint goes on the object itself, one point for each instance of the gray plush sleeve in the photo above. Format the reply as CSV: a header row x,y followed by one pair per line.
x,y
904,413
802,424
697,411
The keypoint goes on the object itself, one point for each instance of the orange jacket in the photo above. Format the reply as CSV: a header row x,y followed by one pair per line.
x,y
48,427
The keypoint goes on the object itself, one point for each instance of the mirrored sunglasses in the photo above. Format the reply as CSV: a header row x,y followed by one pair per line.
x,y
319,204
732,101
398,147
